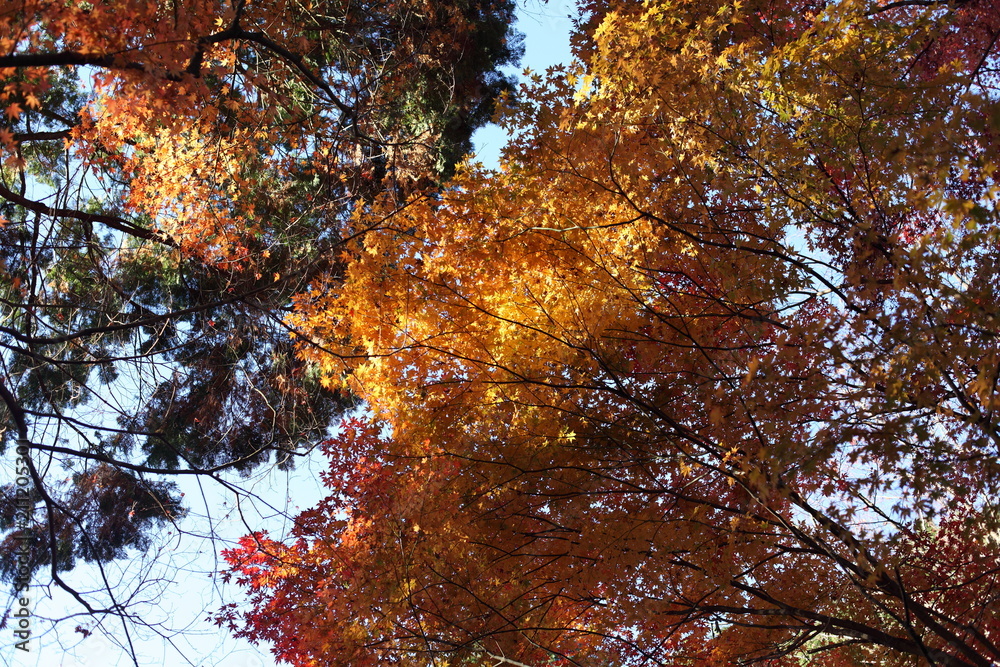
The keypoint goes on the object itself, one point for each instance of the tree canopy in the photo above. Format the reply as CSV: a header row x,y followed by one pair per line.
x,y
705,373
172,174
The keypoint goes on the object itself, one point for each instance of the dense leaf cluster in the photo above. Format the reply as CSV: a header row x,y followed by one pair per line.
x,y
706,373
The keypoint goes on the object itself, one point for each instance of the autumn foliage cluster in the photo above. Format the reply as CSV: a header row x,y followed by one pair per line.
x,y
705,373
171,174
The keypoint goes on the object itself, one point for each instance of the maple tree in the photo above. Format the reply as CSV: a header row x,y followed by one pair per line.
x,y
705,373
172,173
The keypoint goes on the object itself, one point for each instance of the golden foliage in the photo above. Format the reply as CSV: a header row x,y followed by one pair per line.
x,y
684,380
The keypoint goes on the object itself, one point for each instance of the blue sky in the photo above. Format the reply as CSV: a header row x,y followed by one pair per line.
x,y
546,28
